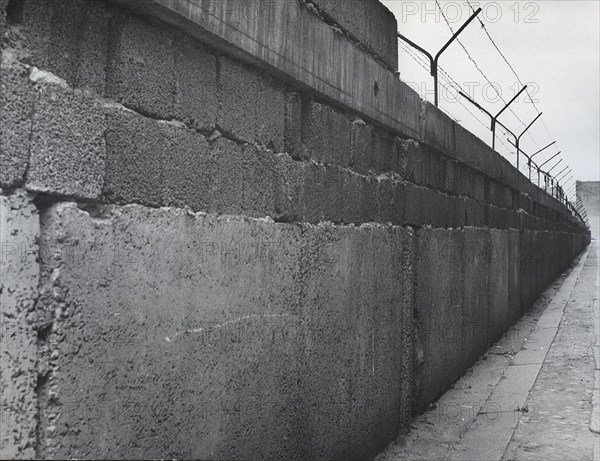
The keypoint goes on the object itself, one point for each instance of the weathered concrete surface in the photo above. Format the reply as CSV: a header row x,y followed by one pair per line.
x,y
140,73
530,396
67,142
457,320
163,333
438,313
588,194
326,134
19,277
68,38
341,71
183,335
251,105
162,85
16,110
156,71
354,283
367,21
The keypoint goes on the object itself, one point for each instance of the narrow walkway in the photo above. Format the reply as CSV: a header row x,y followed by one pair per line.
x,y
534,395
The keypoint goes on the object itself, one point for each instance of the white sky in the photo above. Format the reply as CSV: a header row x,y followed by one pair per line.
x,y
554,46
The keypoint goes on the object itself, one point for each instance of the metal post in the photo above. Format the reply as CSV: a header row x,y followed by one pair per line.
x,y
559,177
521,135
557,163
495,119
433,61
551,158
538,152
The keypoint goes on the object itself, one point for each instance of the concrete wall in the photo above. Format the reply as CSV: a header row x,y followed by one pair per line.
x,y
202,258
588,196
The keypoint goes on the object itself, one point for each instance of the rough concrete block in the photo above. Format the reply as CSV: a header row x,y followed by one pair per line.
x,y
529,256
498,307
514,281
68,38
269,355
359,319
289,188
244,183
391,200
473,181
93,39
166,164
141,67
44,34
493,217
293,124
326,134
499,195
471,213
369,22
373,149
452,177
335,194
17,98
196,83
430,169
438,129
426,206
525,203
135,151
166,346
251,105
362,158
3,4
67,144
473,151
438,313
20,271
476,331
409,157
188,167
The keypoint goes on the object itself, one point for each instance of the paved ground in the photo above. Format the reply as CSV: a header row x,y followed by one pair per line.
x,y
534,395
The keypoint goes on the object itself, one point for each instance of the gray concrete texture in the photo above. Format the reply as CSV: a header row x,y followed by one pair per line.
x,y
185,335
16,102
185,81
176,332
298,335
367,21
457,320
79,146
19,278
134,159
356,82
588,196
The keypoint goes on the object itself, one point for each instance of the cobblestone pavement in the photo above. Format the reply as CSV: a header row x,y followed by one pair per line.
x,y
534,395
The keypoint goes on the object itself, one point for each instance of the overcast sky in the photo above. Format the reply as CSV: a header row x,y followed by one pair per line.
x,y
554,47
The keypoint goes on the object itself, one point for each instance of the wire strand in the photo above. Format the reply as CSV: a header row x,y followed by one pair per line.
x,y
513,71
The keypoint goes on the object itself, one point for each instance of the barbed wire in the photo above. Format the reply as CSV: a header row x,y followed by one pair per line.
x,y
449,82
446,81
476,65
514,72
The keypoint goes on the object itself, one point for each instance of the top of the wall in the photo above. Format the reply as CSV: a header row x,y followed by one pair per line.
x,y
368,22
299,47
300,44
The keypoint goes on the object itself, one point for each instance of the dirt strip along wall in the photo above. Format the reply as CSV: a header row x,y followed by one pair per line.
x,y
203,259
